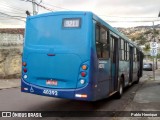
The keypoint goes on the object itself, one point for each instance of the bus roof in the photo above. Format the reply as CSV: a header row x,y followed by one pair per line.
x,y
95,17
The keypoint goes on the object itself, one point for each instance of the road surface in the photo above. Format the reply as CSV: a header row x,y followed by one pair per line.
x,y
13,100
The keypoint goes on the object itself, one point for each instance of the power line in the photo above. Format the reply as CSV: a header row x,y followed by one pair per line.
x,y
11,6
14,17
131,21
127,17
38,4
11,15
11,12
56,6
14,5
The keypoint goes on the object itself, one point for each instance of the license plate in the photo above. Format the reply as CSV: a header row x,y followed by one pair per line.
x,y
51,82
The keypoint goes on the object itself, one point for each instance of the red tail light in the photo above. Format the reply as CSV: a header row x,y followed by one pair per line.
x,y
83,74
25,70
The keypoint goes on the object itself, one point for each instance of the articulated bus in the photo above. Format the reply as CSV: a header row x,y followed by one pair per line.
x,y
76,55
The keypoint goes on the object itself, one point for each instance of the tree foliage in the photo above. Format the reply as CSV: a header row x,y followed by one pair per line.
x,y
146,48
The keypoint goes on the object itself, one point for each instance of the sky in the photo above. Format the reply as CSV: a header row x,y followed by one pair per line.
x,y
118,13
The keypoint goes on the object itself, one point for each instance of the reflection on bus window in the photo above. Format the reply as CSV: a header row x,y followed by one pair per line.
x,y
102,44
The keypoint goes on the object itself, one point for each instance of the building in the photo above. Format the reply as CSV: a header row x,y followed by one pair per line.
x,y
11,36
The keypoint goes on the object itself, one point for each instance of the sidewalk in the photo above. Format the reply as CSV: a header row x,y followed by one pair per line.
x,y
9,83
147,97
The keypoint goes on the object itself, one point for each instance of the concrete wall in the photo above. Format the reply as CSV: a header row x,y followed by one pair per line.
x,y
7,39
10,55
10,62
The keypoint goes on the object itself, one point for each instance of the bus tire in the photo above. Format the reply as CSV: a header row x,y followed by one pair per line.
x,y
120,89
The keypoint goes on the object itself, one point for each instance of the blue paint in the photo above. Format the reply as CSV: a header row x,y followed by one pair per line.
x,y
53,52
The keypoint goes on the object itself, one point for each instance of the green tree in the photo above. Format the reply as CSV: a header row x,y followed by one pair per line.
x,y
146,48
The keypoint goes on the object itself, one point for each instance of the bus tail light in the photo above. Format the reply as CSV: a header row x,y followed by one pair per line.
x,y
81,95
24,64
25,76
83,74
84,67
25,70
82,81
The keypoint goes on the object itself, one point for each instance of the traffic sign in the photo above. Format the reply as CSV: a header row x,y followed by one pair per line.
x,y
153,52
153,45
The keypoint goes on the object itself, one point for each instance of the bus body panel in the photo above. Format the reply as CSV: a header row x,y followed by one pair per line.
x,y
100,71
55,53
65,72
59,93
50,53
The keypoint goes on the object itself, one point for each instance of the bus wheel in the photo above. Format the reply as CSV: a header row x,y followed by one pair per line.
x,y
120,89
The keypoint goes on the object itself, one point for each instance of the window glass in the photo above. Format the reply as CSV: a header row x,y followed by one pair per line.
x,y
97,34
127,47
138,55
122,54
102,44
135,54
122,50
127,55
103,35
122,44
135,51
98,47
105,52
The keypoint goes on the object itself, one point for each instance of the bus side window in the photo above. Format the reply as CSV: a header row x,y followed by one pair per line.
x,y
98,46
102,44
97,34
103,39
127,51
136,54
122,50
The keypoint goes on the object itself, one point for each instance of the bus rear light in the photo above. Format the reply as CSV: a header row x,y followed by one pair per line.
x,y
81,95
83,74
84,67
84,96
25,76
24,64
82,81
25,70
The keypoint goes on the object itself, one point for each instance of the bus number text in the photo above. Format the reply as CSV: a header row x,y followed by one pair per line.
x,y
50,92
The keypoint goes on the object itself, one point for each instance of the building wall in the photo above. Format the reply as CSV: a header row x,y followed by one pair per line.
x,y
10,62
11,41
7,39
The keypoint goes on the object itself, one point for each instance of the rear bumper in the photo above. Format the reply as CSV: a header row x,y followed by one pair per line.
x,y
59,93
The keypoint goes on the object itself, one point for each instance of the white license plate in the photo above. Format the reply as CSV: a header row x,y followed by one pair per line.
x,y
51,82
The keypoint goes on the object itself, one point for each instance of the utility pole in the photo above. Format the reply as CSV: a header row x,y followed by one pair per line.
x,y
156,56
153,56
35,7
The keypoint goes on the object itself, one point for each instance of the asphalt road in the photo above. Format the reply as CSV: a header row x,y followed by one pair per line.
x,y
13,100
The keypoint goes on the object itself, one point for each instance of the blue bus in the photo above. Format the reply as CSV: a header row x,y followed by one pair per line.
x,y
76,55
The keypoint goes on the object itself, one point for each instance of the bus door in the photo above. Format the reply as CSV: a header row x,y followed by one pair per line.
x,y
131,65
114,63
